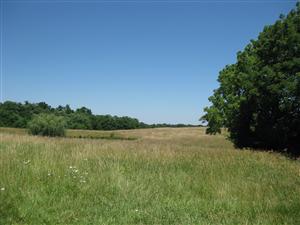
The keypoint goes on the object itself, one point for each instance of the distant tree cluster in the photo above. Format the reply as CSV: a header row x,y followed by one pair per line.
x,y
161,125
13,114
259,96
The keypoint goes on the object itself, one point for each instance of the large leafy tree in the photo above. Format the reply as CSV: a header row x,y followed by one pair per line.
x,y
259,96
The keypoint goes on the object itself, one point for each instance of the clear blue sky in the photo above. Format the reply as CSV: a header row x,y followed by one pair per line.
x,y
157,62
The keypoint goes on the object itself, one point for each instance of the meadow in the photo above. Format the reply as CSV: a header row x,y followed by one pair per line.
x,y
144,176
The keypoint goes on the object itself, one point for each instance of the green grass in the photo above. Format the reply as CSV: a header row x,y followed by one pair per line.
x,y
165,176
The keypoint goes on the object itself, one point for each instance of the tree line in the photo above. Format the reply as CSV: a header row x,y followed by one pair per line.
x,y
259,96
14,114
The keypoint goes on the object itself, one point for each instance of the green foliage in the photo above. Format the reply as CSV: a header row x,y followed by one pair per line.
x,y
47,125
108,122
79,121
18,115
259,96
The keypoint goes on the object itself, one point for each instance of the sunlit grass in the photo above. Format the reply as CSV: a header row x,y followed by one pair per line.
x,y
87,134
165,176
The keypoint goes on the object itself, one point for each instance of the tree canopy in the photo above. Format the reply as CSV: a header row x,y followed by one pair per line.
x,y
13,114
259,96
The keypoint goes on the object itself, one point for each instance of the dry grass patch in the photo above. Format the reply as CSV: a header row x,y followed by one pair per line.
x,y
165,176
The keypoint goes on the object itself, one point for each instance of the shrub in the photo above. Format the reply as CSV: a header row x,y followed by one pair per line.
x,y
47,125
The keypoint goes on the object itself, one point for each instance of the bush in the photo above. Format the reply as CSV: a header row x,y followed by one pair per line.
x,y
47,125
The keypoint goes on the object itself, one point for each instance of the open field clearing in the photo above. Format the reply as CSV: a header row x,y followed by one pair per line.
x,y
155,176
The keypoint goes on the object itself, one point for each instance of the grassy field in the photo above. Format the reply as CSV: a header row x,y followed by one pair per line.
x,y
147,176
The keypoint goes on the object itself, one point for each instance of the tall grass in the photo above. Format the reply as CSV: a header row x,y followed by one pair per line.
x,y
165,176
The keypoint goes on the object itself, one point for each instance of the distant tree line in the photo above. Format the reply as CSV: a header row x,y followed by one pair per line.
x,y
13,114
259,96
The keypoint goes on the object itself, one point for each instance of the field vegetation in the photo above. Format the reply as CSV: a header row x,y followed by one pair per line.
x,y
162,176
103,170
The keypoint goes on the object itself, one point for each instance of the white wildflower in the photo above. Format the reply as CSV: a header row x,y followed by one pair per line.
x,y
26,162
2,189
